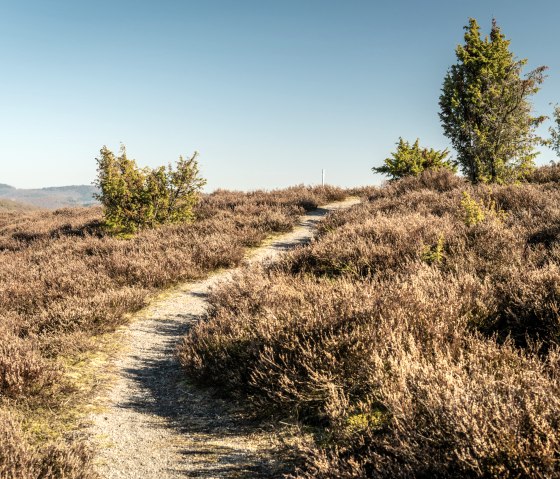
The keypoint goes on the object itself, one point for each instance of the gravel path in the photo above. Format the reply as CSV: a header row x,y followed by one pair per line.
x,y
153,423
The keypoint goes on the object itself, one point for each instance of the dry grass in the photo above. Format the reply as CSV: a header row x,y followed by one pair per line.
x,y
417,337
12,206
63,282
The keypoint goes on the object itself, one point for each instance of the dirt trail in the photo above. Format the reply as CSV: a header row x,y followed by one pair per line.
x,y
154,424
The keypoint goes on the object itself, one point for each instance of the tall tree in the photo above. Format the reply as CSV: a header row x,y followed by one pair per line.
x,y
485,108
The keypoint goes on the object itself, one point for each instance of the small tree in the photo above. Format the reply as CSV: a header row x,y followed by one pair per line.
x,y
412,160
134,198
485,108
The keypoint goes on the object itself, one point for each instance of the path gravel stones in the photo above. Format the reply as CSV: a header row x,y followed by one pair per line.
x,y
153,423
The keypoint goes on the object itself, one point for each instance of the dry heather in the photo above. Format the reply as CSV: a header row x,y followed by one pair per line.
x,y
63,282
417,337
13,206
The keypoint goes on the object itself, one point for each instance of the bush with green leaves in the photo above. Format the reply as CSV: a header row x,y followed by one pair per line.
x,y
412,160
134,198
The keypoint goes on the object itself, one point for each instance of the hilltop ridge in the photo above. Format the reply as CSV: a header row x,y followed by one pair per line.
x,y
51,196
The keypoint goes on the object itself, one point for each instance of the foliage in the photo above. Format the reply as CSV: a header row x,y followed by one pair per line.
x,y
401,368
544,174
412,160
485,108
473,211
65,281
135,198
554,141
433,254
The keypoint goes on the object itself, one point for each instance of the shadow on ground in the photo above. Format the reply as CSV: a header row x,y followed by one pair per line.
x,y
214,430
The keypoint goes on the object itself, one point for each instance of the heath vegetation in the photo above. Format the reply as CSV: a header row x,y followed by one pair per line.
x,y
65,280
418,336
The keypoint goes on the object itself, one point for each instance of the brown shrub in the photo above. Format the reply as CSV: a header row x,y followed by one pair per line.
x,y
23,372
389,367
19,459
63,279
440,180
15,452
378,244
545,174
68,461
415,343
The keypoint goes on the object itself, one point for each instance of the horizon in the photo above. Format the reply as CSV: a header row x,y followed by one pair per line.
x,y
268,93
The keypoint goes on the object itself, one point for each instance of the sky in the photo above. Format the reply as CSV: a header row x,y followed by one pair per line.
x,y
270,92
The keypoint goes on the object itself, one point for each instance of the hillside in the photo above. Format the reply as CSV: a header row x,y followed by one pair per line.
x,y
417,336
11,206
66,282
50,197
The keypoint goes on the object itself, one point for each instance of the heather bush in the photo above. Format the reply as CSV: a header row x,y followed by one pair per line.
x,y
19,458
64,280
544,174
406,340
440,180
23,372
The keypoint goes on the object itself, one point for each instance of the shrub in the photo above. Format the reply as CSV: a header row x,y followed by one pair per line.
x,y
135,198
433,254
407,342
19,459
64,280
473,212
413,160
23,372
544,174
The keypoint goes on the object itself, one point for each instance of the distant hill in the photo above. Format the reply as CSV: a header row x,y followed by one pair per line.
x,y
51,197
5,188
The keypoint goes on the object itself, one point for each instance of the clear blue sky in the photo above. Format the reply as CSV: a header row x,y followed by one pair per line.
x,y
269,91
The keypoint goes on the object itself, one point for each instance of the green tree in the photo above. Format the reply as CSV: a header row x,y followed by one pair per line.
x,y
412,160
134,198
485,108
554,141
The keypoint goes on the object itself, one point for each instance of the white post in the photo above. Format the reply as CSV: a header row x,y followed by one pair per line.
x,y
323,177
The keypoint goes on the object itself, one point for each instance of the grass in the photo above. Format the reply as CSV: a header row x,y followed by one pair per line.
x,y
417,337
66,284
